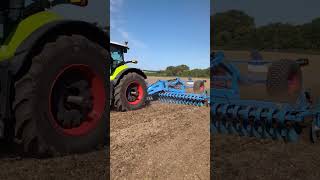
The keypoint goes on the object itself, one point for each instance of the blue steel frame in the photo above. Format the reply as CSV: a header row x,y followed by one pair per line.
x,y
167,86
230,114
167,91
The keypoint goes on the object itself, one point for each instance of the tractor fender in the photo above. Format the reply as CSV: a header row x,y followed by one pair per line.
x,y
32,45
126,71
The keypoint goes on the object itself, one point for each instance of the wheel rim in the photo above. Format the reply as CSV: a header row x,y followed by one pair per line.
x,y
134,93
77,100
201,88
293,84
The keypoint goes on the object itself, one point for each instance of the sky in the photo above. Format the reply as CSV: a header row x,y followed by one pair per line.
x,y
163,33
264,12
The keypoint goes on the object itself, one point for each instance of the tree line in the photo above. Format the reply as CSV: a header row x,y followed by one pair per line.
x,y
235,29
181,71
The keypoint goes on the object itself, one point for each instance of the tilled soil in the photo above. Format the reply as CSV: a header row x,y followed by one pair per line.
x,y
84,166
248,158
161,141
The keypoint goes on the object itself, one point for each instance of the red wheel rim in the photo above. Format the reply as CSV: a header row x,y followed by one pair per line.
x,y
98,99
293,84
137,89
202,88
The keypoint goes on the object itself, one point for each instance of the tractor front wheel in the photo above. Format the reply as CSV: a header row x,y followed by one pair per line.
x,y
130,93
60,104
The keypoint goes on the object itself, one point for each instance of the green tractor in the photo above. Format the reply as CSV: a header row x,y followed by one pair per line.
x,y
53,83
128,85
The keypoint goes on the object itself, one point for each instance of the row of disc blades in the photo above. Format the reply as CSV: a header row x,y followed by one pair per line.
x,y
183,98
254,126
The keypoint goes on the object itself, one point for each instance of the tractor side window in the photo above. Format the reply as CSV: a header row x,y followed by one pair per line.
x,y
116,56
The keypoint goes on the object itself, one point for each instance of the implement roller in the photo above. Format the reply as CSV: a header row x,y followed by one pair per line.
x,y
254,118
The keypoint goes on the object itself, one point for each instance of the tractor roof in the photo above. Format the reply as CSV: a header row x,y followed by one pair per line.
x,y
119,45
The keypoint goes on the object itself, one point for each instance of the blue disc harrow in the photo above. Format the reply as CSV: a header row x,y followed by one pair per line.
x,y
183,98
261,119
174,92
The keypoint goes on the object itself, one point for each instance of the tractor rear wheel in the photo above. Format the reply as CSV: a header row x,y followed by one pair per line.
x,y
60,103
284,78
130,93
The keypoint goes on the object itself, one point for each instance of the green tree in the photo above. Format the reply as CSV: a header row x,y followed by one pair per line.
x,y
231,28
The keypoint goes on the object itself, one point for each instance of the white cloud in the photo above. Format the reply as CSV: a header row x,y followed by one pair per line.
x,y
132,41
124,34
115,5
117,22
139,44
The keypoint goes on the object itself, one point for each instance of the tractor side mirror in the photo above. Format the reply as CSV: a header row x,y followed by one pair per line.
x,y
134,61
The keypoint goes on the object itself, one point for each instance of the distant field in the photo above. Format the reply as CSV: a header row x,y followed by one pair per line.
x,y
153,79
163,75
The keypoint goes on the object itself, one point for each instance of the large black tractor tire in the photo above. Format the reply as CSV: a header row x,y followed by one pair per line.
x,y
198,86
130,93
284,78
50,117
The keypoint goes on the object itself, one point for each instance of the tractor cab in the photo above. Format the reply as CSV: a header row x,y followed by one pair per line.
x,y
117,51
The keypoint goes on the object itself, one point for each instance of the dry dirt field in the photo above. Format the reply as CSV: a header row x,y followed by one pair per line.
x,y
161,141
248,158
84,166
